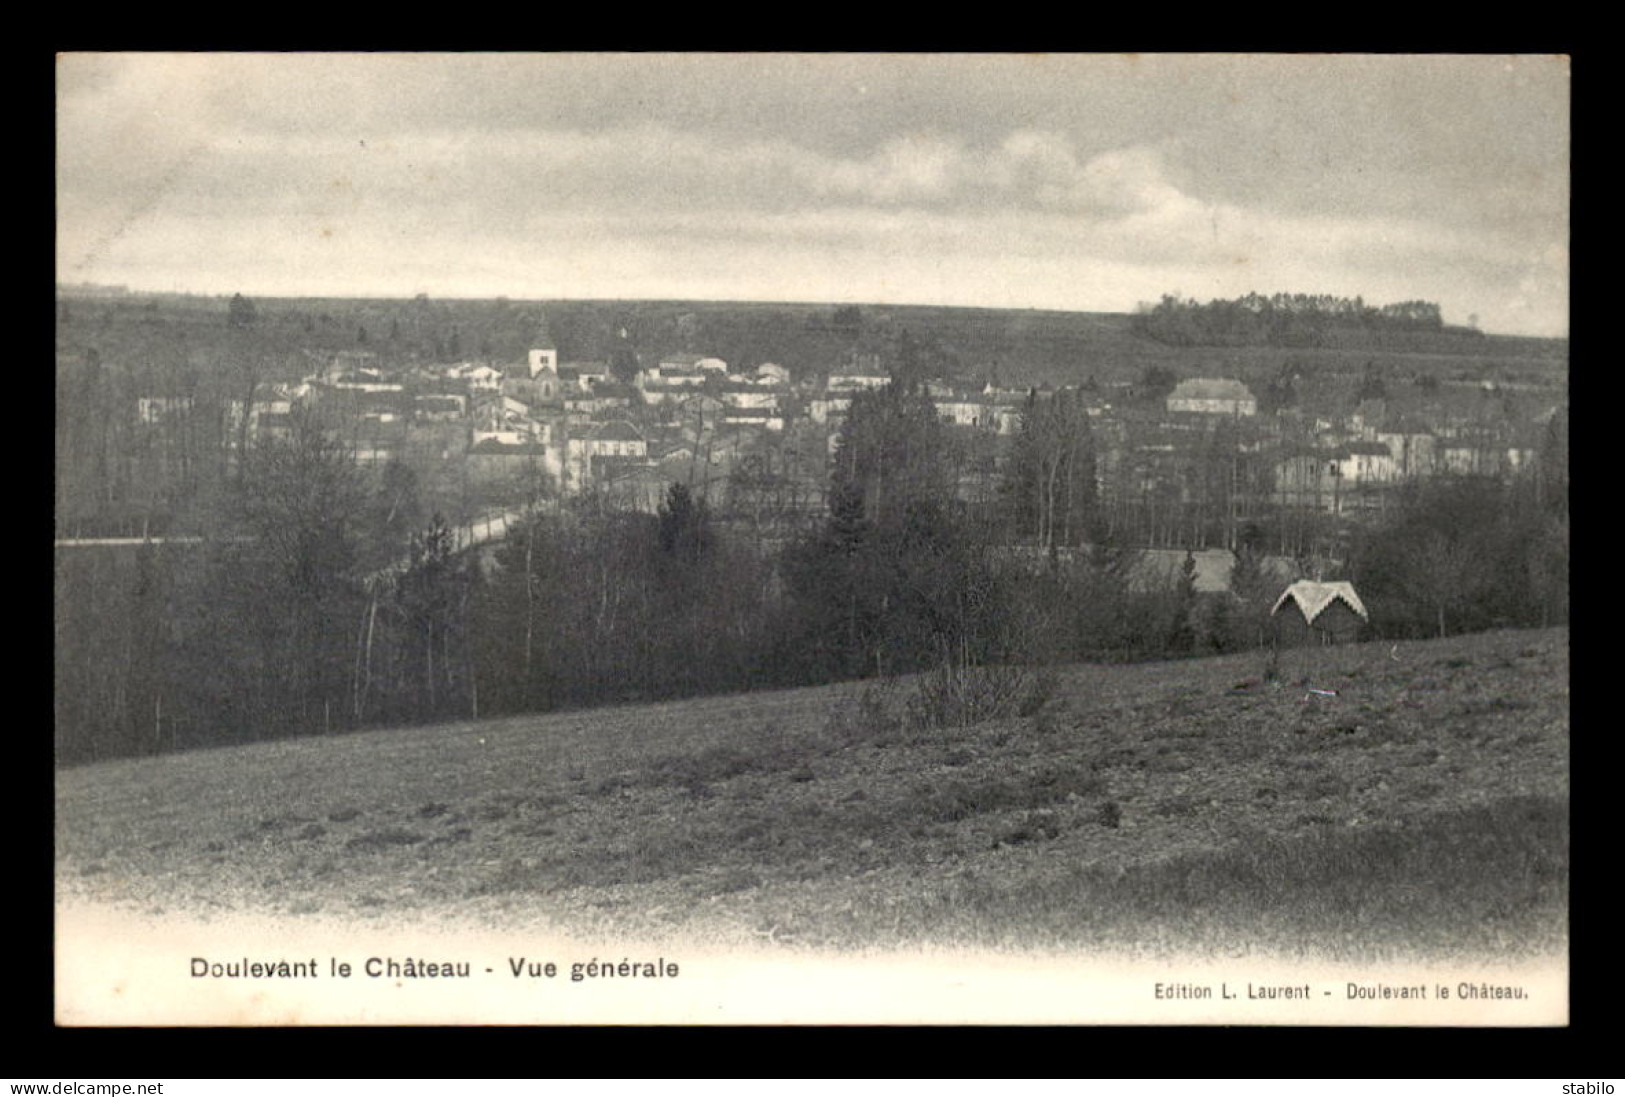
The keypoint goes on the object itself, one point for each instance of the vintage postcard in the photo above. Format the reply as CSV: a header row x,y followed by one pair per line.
x,y
782,538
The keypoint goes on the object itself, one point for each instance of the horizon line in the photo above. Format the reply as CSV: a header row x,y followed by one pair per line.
x,y
132,291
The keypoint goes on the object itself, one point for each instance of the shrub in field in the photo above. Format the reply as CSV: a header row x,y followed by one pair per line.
x,y
1039,694
958,694
1045,722
868,717
697,771
1034,826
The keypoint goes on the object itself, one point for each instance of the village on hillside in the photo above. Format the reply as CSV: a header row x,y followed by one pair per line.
x,y
565,515
1198,464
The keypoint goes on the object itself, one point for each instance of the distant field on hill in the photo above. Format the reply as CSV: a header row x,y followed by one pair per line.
x,y
1024,346
1421,810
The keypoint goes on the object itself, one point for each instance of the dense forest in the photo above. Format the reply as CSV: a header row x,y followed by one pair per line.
x,y
1462,554
1296,320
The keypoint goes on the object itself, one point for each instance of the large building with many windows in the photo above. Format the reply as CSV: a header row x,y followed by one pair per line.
x,y
1209,396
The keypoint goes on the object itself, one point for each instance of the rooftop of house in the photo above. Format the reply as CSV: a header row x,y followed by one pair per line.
x,y
363,377
616,430
1368,449
438,402
963,396
494,447
1404,423
499,399
1314,597
607,391
1292,451
1210,388
738,434
628,469
615,463
384,401
374,430
455,385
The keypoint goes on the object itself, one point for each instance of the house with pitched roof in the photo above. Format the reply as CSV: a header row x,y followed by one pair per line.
x,y
493,410
1329,477
599,399
855,382
275,400
366,380
699,415
615,439
828,407
1411,444
1212,396
582,376
677,461
1311,612
509,460
1366,463
385,407
634,486
439,407
767,417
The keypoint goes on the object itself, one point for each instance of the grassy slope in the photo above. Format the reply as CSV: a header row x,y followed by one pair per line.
x,y
1422,809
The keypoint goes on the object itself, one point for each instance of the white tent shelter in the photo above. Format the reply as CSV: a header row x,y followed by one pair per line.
x,y
1314,597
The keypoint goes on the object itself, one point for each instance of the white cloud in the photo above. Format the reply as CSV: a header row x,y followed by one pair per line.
x,y
164,184
499,180
990,256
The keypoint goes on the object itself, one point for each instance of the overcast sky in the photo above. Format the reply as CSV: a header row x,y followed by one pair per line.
x,y
1053,181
